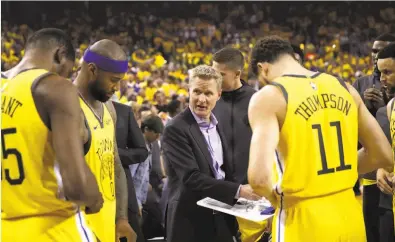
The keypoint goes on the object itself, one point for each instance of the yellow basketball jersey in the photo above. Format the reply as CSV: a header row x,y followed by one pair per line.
x,y
30,178
317,152
100,159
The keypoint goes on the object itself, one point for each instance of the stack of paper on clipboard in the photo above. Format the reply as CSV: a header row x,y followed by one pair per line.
x,y
251,210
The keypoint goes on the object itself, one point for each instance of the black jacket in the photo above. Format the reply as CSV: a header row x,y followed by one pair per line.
x,y
232,114
131,147
190,179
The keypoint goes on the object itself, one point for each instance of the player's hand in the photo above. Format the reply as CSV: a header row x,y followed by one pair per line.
x,y
123,229
247,193
385,181
95,208
375,96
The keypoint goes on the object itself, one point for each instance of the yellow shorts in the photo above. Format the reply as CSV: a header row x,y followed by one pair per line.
x,y
47,229
334,218
251,231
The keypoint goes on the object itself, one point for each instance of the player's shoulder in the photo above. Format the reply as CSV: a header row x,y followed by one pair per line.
x,y
271,94
52,84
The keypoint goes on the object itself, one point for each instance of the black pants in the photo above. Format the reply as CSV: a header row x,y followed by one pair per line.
x,y
134,222
371,199
386,225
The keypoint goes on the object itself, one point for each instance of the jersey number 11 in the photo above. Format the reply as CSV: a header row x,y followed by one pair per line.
x,y
325,168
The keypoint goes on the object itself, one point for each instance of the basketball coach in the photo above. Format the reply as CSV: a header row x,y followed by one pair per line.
x,y
194,151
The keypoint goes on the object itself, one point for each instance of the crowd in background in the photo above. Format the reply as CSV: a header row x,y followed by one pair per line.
x,y
164,41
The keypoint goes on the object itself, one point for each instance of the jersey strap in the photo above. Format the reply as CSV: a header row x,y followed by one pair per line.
x,y
285,93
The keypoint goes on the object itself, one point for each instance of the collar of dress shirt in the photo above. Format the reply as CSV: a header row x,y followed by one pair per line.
x,y
203,123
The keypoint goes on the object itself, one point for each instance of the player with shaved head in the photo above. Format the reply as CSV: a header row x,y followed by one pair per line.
x,y
104,65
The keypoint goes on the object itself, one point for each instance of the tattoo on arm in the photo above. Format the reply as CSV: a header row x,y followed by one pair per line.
x,y
121,189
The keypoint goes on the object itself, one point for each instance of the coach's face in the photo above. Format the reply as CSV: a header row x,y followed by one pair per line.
x,y
203,95
387,78
103,84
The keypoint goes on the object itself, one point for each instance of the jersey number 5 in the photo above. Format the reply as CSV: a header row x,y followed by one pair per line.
x,y
325,169
11,152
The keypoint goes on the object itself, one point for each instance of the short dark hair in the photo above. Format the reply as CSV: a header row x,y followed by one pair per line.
x,y
299,51
387,37
173,106
231,57
387,52
153,123
51,38
269,49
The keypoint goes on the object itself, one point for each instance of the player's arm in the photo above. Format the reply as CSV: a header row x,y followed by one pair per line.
x,y
376,152
60,99
262,114
121,189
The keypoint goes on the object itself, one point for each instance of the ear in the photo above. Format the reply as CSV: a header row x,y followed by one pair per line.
x,y
263,67
93,70
238,73
60,55
219,94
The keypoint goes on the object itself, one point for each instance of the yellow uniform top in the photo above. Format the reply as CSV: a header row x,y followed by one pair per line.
x,y
31,182
317,151
100,158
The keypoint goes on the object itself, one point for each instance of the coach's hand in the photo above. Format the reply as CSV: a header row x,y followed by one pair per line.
x,y
123,229
384,181
247,193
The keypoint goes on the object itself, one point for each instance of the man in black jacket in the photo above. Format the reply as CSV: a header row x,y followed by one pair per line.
x,y
232,109
132,150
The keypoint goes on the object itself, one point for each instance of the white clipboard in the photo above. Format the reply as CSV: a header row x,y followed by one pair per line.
x,y
247,209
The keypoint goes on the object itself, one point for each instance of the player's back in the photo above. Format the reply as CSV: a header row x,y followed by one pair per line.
x,y
317,163
30,180
317,150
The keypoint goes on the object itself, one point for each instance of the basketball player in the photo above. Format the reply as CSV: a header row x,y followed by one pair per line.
x,y
307,124
104,65
44,174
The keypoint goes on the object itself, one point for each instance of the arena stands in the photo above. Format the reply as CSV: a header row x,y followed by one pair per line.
x,y
162,48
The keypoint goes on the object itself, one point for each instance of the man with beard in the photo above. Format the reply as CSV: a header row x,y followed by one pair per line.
x,y
386,65
104,65
375,96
